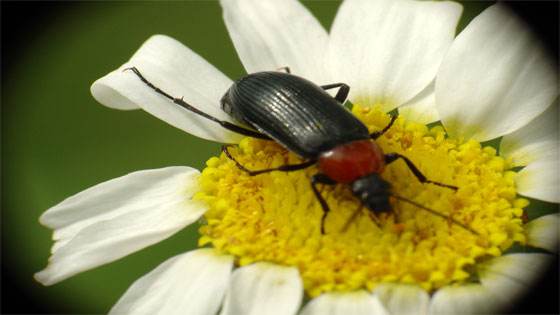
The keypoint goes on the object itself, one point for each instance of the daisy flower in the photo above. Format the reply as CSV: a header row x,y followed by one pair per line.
x,y
262,247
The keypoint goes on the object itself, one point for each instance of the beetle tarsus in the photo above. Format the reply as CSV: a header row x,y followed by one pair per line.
x,y
286,69
325,180
391,157
342,93
379,133
283,168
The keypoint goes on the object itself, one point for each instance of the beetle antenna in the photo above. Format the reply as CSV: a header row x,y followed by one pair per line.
x,y
352,217
179,101
435,213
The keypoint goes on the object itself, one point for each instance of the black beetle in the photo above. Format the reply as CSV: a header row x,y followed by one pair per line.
x,y
305,119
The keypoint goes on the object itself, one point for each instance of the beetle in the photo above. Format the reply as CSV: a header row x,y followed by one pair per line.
x,y
305,119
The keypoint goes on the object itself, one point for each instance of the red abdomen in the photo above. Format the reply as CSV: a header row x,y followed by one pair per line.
x,y
347,162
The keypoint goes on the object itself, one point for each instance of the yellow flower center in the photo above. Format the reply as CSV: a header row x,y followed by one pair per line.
x,y
275,217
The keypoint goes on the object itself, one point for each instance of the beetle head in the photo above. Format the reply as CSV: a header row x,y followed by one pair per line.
x,y
373,192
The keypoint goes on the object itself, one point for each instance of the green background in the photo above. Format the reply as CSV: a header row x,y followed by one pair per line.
x,y
57,140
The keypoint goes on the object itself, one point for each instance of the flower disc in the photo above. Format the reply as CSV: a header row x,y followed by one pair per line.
x,y
275,216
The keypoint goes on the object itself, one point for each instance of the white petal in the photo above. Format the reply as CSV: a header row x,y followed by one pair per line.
x,y
344,303
540,180
495,78
402,298
544,232
191,283
464,299
178,71
272,34
540,138
511,275
118,217
264,288
389,51
422,108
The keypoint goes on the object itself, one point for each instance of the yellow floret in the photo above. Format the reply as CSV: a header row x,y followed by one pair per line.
x,y
275,216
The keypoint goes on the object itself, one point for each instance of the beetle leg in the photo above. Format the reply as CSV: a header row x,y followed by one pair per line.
x,y
179,101
342,93
391,157
287,69
321,179
240,130
378,133
283,168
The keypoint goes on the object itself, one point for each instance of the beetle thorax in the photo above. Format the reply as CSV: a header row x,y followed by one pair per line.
x,y
347,162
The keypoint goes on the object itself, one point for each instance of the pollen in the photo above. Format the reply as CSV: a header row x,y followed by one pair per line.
x,y
275,217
